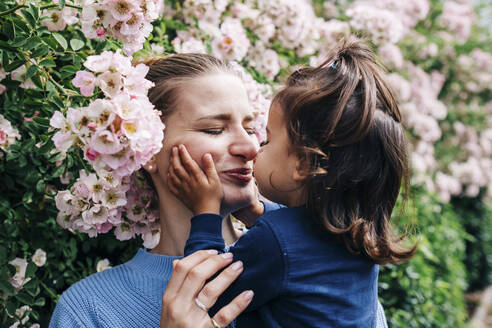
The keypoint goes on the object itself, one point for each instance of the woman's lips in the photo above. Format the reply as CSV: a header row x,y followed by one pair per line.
x,y
242,175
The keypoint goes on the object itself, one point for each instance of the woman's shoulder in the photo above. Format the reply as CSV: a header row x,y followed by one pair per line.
x,y
77,306
89,290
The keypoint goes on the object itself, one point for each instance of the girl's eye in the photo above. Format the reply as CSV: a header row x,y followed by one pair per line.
x,y
213,131
263,143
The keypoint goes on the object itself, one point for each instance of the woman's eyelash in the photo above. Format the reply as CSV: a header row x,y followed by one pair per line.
x,y
263,143
213,131
250,131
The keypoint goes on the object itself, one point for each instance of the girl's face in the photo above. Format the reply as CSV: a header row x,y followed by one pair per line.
x,y
214,117
275,168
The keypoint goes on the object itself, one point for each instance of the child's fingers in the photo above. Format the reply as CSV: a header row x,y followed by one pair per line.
x,y
209,168
177,167
189,163
173,183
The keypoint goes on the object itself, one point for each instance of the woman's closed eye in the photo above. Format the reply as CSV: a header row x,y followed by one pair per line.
x,y
214,131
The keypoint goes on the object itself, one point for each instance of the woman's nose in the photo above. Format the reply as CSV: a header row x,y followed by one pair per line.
x,y
245,146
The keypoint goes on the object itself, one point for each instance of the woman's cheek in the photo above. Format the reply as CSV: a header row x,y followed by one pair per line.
x,y
197,151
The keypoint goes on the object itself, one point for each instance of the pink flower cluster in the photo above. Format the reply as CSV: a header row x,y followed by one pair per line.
x,y
8,134
95,205
382,24
259,98
59,19
458,17
128,21
118,134
475,70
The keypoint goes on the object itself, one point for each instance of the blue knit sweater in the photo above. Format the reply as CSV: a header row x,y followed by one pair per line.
x,y
128,295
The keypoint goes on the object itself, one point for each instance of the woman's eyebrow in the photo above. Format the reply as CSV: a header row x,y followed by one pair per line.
x,y
225,117
220,117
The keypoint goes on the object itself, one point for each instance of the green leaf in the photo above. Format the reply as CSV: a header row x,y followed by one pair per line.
x,y
40,186
61,40
50,87
40,51
58,171
6,287
34,11
76,44
19,42
29,17
21,24
51,42
27,198
40,301
3,251
12,305
36,79
31,71
42,121
9,29
33,43
47,63
70,68
31,269
25,298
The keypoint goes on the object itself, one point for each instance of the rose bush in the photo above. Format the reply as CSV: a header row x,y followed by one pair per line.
x,y
71,145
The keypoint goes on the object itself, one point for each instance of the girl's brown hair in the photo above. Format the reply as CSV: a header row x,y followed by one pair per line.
x,y
344,123
170,72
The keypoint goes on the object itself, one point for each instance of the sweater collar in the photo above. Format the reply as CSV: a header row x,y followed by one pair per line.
x,y
153,264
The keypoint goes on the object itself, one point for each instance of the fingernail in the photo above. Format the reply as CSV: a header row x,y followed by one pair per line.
x,y
212,251
227,255
174,148
236,266
248,295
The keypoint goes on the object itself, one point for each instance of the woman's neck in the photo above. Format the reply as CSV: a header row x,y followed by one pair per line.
x,y
175,226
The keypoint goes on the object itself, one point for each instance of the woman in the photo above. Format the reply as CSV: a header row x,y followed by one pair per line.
x,y
204,106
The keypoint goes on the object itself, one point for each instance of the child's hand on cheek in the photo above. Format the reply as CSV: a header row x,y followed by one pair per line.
x,y
198,189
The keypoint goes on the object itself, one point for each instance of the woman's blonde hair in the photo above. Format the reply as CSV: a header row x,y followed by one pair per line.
x,y
170,72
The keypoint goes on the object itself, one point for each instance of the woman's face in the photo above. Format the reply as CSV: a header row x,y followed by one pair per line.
x,y
213,116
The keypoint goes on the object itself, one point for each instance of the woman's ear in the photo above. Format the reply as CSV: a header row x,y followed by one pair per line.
x,y
151,166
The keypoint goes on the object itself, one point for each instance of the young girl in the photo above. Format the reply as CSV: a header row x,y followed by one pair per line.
x,y
335,155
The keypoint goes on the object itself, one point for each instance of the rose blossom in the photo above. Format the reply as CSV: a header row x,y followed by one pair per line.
x,y
39,257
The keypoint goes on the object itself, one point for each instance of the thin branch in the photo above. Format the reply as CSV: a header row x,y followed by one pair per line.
x,y
11,10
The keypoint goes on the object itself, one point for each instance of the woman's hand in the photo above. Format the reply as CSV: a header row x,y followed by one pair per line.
x,y
198,189
187,291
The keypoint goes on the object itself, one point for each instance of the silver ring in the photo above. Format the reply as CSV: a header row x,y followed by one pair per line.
x,y
215,324
200,304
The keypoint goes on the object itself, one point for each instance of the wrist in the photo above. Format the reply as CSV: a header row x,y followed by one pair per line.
x,y
207,207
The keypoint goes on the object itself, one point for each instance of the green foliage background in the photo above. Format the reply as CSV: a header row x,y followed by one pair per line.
x,y
454,239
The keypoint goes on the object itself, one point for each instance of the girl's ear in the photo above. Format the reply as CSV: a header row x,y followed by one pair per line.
x,y
300,172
